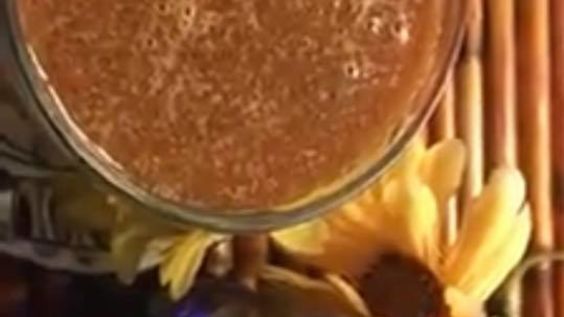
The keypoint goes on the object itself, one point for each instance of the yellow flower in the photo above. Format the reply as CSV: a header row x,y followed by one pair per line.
x,y
388,241
140,242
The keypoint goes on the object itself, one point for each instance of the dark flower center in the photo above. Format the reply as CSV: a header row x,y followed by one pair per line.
x,y
398,286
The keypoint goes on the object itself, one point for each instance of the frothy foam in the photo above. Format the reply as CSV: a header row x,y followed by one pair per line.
x,y
235,103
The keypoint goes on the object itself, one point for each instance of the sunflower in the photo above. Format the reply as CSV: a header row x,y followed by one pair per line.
x,y
382,253
140,242
388,243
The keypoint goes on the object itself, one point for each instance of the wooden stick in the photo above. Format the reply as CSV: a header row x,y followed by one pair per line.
x,y
537,292
469,101
534,118
469,96
557,44
250,254
442,125
500,104
533,93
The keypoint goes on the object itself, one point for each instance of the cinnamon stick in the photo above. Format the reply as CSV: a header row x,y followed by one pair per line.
x,y
500,103
533,82
557,58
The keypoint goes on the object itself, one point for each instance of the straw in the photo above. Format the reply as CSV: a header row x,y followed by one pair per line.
x,y
499,63
534,137
557,44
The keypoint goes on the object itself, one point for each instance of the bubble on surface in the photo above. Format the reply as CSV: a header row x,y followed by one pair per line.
x,y
376,24
400,29
148,42
164,7
352,69
187,15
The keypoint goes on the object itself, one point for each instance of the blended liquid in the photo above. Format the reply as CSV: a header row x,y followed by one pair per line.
x,y
236,103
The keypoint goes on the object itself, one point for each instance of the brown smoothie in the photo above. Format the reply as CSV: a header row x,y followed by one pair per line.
x,y
236,103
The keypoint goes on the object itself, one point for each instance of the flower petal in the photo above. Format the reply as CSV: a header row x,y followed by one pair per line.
x,y
413,218
303,240
409,163
362,212
486,227
155,252
342,242
185,261
487,278
347,258
167,266
127,249
348,292
442,169
334,293
462,305
345,253
360,219
398,212
132,235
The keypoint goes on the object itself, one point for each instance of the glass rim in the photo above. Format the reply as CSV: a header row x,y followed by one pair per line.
x,y
98,166
513,288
